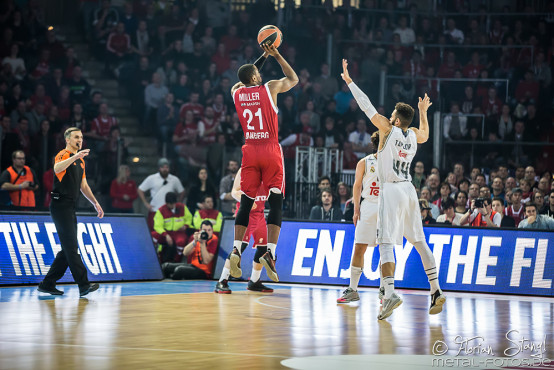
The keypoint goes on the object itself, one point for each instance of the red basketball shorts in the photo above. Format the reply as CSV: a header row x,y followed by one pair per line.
x,y
257,229
262,162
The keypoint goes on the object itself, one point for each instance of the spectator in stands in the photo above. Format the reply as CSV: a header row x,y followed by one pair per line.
x,y
34,118
16,62
418,177
498,207
455,125
433,181
104,20
56,48
167,118
43,145
548,208
118,48
444,192
425,209
485,192
344,194
211,125
199,190
538,199
497,188
69,63
474,67
480,180
516,210
43,67
168,74
510,184
527,90
159,184
170,228
92,107
535,221
207,212
481,216
20,181
449,215
200,252
79,87
329,84
78,120
154,95
492,105
360,139
461,202
123,191
192,105
225,187
325,210
407,34
181,90
531,176
454,35
505,124
24,136
101,126
525,187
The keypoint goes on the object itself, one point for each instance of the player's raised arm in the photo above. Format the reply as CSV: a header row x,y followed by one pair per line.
x,y
379,121
422,134
286,83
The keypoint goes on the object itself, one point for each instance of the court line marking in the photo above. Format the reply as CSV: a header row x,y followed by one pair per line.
x,y
145,349
258,300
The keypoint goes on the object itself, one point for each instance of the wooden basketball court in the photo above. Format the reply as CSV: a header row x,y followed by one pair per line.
x,y
184,325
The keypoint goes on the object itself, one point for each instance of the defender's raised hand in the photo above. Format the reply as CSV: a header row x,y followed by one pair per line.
x,y
424,103
345,75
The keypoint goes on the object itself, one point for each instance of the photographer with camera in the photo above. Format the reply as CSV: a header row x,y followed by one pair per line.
x,y
200,252
20,181
481,214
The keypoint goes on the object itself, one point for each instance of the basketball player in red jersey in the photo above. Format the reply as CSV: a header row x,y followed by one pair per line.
x,y
262,156
257,229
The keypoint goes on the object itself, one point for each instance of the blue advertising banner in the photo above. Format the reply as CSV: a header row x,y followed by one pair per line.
x,y
469,259
113,248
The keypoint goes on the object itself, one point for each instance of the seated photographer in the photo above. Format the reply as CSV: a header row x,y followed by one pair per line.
x,y
200,252
449,217
20,181
535,221
170,228
480,214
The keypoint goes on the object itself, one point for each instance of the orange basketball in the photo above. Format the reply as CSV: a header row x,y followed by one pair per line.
x,y
270,35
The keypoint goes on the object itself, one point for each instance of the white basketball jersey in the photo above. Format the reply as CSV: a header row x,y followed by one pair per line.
x,y
396,156
370,182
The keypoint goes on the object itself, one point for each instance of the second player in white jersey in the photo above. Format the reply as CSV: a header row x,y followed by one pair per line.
x,y
365,199
399,213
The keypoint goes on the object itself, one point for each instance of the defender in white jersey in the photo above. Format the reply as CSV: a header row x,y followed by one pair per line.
x,y
365,199
399,213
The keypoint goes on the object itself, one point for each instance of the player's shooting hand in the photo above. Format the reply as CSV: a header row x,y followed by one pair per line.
x,y
270,49
345,75
424,103
356,216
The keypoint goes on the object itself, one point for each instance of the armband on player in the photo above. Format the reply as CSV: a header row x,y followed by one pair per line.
x,y
362,100
259,63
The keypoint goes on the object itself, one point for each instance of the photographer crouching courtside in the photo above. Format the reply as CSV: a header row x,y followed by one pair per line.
x,y
200,252
69,178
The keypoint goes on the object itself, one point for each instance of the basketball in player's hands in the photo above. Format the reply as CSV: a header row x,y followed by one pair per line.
x,y
270,35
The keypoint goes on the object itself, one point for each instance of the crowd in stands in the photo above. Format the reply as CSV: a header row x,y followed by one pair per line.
x,y
178,61
44,91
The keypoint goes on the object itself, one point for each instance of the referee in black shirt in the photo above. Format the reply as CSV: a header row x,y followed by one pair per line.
x,y
69,178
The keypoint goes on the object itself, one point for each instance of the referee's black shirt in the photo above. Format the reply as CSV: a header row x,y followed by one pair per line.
x,y
68,182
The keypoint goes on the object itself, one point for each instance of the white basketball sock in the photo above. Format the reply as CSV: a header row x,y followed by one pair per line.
x,y
272,247
355,273
255,276
237,244
225,274
429,264
388,283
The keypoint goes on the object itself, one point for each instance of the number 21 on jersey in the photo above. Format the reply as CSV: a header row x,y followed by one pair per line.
x,y
401,168
247,113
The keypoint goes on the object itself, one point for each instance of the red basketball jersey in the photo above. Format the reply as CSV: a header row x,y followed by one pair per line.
x,y
257,113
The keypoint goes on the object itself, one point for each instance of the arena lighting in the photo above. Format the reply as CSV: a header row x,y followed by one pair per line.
x,y
136,159
50,28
